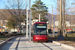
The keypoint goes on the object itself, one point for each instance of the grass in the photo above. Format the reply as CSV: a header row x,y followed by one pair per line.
x,y
69,40
2,36
4,39
23,33
70,37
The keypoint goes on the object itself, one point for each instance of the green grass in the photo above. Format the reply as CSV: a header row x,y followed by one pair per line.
x,y
24,33
2,36
4,39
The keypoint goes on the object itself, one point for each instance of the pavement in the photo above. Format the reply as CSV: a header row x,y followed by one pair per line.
x,y
22,43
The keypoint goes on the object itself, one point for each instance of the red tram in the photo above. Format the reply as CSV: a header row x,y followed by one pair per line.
x,y
40,32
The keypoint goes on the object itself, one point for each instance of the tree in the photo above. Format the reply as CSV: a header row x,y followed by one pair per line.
x,y
11,24
65,9
39,8
16,8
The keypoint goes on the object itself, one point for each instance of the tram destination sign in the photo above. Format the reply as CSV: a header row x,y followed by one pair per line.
x,y
41,26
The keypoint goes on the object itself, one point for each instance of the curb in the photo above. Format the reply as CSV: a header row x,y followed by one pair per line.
x,y
64,45
4,42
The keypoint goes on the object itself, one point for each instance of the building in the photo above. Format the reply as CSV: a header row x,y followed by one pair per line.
x,y
57,24
34,20
3,24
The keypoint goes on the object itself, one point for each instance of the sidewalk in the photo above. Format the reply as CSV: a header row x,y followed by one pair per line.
x,y
24,44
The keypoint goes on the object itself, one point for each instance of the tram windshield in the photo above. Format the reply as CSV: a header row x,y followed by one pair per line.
x,y
41,29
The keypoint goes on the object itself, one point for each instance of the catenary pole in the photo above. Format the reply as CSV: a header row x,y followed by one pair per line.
x,y
27,23
52,21
29,20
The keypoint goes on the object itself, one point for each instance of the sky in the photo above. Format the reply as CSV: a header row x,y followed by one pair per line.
x,y
48,3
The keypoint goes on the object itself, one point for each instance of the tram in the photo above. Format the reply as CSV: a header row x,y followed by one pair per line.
x,y
40,32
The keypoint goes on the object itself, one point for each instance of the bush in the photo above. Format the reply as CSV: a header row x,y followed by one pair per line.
x,y
1,33
7,34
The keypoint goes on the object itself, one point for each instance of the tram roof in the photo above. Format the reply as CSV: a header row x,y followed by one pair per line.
x,y
40,23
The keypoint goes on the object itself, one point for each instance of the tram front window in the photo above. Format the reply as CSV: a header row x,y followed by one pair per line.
x,y
41,30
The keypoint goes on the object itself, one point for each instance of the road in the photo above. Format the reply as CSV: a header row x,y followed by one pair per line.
x,y
22,43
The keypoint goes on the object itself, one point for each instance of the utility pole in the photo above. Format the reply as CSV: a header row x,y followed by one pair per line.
x,y
29,20
53,26
27,23
53,22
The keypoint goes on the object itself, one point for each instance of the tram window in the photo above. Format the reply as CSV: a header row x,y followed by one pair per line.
x,y
41,30
34,30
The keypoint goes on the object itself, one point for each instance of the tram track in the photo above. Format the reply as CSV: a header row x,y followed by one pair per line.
x,y
20,43
16,48
46,46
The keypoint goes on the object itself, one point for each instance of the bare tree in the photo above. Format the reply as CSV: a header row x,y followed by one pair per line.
x,y
17,10
65,8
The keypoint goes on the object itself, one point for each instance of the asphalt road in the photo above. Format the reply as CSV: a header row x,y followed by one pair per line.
x,y
22,43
